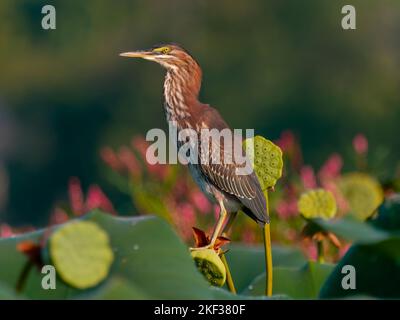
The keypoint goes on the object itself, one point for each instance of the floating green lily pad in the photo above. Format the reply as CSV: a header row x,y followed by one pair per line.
x,y
267,159
317,203
210,265
81,253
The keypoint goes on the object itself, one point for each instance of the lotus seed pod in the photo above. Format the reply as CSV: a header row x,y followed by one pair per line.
x,y
362,192
210,265
317,203
267,159
81,253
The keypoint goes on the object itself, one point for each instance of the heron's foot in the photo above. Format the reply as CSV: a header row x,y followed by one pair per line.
x,y
209,246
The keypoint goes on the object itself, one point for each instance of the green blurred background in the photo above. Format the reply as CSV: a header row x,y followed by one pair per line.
x,y
268,65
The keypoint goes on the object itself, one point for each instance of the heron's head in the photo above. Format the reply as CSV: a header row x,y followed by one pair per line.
x,y
170,56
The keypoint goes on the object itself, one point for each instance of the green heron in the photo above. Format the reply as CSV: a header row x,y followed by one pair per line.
x,y
219,181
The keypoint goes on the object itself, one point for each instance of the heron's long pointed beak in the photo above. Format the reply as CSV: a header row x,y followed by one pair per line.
x,y
148,55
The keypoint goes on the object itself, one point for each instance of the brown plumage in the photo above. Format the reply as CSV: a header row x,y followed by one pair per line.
x,y
219,181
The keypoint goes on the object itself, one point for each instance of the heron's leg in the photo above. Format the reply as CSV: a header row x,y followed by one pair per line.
x,y
223,218
228,226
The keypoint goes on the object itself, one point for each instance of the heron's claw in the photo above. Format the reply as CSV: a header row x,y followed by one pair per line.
x,y
203,241
209,246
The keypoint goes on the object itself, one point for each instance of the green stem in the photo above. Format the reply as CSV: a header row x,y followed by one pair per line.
x,y
320,251
23,276
229,280
268,253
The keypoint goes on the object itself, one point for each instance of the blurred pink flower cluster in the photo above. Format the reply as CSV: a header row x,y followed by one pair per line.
x,y
360,144
169,191
170,186
180,201
126,160
299,177
6,231
80,204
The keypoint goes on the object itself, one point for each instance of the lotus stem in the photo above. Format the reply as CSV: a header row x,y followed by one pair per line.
x,y
229,279
23,276
268,253
320,251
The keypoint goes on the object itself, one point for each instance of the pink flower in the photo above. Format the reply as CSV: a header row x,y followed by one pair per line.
x,y
129,161
181,188
140,144
59,216
331,168
217,209
248,236
159,171
201,202
76,197
6,231
343,249
340,200
282,209
187,213
360,144
287,208
110,158
185,219
311,250
287,141
96,199
308,177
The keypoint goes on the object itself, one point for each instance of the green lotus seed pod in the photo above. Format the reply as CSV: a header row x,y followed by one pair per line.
x,y
81,253
210,265
362,192
267,159
317,203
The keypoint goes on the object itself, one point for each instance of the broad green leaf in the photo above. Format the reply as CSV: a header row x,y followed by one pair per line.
x,y
151,262
12,261
116,289
377,263
353,230
377,268
388,217
7,293
247,262
299,283
147,252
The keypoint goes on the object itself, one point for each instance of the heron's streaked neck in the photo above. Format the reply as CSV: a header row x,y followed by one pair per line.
x,y
181,90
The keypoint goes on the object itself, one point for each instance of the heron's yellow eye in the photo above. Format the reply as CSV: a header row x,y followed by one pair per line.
x,y
163,50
